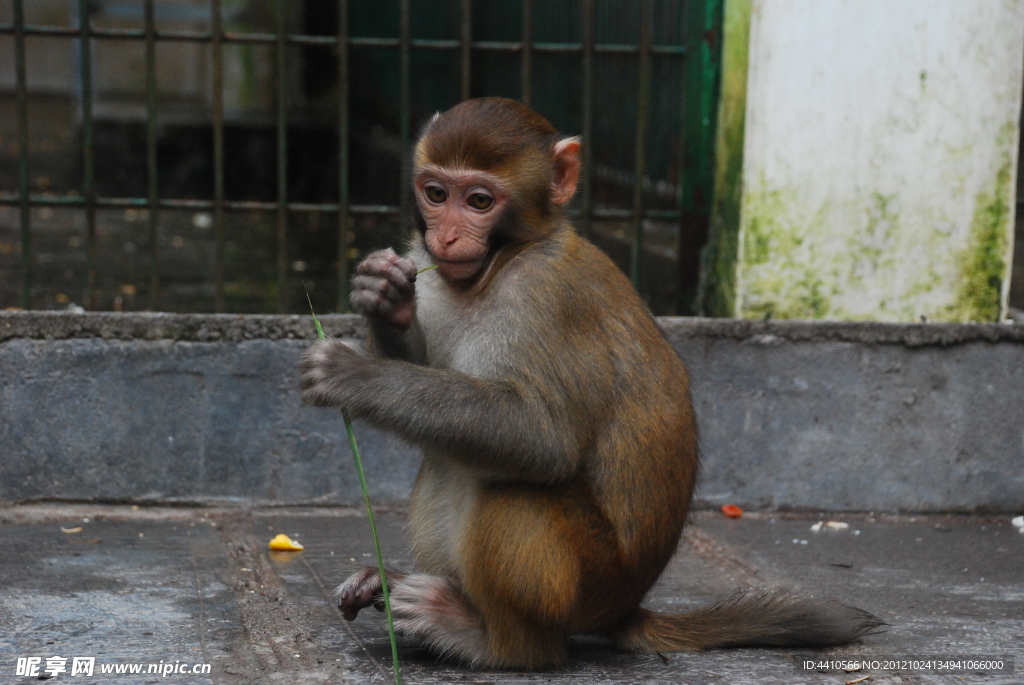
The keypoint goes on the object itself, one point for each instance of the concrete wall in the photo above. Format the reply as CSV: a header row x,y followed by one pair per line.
x,y
879,153
157,407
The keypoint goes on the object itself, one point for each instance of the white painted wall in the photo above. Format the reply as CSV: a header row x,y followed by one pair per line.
x,y
879,157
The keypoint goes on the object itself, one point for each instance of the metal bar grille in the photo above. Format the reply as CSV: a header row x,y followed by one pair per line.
x,y
282,156
23,197
466,48
344,210
353,41
526,52
279,43
36,200
151,169
403,106
218,153
588,114
643,112
85,57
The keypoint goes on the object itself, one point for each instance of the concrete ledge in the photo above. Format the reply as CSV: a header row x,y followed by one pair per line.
x,y
50,325
175,327
168,408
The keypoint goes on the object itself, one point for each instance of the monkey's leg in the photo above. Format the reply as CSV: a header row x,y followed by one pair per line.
x,y
520,568
509,604
520,588
363,589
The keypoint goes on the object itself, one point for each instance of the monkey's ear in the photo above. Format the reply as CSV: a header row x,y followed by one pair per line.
x,y
566,156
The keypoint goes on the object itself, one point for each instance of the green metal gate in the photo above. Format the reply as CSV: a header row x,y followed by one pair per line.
x,y
674,84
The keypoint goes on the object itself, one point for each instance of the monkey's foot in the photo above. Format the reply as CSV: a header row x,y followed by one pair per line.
x,y
430,609
363,589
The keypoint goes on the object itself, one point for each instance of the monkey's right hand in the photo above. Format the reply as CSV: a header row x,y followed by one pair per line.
x,y
384,288
363,589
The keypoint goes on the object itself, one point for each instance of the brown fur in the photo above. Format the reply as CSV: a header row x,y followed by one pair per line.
x,y
503,137
560,444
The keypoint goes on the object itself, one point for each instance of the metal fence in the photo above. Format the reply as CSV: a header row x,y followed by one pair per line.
x,y
696,92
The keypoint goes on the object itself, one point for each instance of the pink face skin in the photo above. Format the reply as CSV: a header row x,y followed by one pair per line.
x,y
460,208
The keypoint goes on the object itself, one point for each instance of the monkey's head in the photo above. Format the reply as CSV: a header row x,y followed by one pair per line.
x,y
487,173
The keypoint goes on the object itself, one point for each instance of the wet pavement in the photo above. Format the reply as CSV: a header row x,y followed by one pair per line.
x,y
176,588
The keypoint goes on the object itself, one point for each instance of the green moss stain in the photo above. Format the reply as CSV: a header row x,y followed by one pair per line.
x,y
867,247
765,232
717,296
781,259
984,263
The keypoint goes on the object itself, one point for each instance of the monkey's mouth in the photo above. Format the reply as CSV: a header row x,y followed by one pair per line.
x,y
457,262
459,269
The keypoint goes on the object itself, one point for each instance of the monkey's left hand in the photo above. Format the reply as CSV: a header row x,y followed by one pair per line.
x,y
332,372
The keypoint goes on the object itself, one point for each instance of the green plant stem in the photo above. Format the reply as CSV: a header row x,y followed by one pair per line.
x,y
427,268
369,512
376,543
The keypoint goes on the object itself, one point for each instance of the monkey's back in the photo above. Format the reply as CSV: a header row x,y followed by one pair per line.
x,y
642,464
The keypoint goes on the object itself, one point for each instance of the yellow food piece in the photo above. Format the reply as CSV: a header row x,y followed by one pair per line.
x,y
285,543
77,529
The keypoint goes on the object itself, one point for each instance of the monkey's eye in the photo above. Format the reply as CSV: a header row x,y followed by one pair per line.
x,y
435,194
480,201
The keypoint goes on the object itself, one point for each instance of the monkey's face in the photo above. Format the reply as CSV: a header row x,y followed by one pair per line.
x,y
460,208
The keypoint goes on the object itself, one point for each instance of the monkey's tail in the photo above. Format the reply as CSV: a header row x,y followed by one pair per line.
x,y
766,618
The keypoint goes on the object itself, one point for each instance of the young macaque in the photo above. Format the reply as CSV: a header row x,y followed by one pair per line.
x,y
559,442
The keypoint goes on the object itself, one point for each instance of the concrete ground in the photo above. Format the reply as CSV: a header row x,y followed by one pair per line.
x,y
156,585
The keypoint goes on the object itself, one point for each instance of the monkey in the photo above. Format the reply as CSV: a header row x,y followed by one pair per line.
x,y
559,440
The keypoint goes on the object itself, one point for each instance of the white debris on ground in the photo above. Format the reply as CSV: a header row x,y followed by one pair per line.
x,y
1018,523
831,525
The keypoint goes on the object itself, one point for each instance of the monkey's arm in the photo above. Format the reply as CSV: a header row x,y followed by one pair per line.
x,y
506,427
387,342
